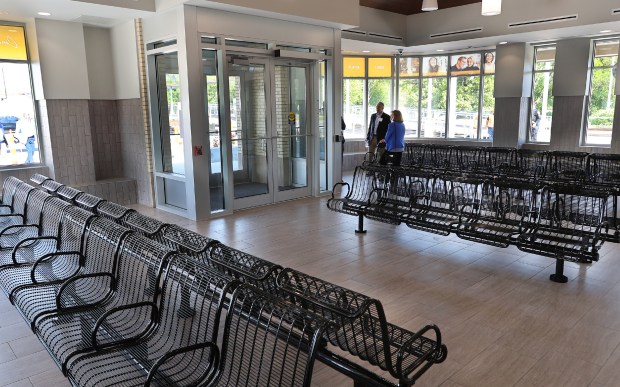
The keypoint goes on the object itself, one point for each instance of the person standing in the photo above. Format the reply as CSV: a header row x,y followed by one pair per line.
x,y
376,131
490,124
535,124
24,132
394,140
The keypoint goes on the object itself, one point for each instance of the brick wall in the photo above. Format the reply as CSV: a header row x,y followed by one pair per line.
x,y
106,139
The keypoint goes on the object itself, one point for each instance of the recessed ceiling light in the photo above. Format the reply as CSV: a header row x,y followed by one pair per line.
x,y
440,50
44,14
502,43
605,31
366,51
12,30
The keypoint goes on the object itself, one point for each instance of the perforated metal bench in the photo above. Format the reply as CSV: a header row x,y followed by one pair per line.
x,y
506,209
570,226
83,318
173,350
361,329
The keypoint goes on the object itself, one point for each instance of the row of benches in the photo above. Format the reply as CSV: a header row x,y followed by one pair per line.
x,y
118,297
559,220
597,168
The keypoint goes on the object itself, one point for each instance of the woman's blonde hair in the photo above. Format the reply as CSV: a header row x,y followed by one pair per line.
x,y
398,116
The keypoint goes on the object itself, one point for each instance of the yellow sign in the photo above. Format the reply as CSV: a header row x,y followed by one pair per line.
x,y
353,67
379,67
12,43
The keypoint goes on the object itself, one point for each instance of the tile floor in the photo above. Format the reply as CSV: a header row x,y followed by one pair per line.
x,y
504,322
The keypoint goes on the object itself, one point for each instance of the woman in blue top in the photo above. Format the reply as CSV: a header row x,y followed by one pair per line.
x,y
394,139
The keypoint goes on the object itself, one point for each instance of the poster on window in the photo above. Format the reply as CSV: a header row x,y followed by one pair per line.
x,y
409,67
489,63
468,64
435,66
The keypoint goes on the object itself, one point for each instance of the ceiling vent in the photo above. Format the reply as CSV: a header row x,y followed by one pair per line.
x,y
392,38
538,22
453,33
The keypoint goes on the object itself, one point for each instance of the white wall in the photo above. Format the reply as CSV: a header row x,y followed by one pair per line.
x,y
255,28
420,26
99,61
125,61
162,25
382,22
63,59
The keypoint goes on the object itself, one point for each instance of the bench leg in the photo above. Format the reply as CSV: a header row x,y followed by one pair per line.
x,y
559,276
360,224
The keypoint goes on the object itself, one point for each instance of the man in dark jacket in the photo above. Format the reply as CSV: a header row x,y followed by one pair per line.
x,y
376,130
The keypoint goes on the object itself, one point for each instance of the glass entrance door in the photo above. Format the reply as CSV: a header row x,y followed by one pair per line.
x,y
269,131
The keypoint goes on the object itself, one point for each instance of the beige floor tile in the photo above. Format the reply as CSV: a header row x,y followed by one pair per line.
x,y
18,369
496,366
6,353
50,378
591,342
560,369
26,345
22,383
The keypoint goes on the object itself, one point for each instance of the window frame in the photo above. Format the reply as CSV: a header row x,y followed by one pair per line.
x,y
532,98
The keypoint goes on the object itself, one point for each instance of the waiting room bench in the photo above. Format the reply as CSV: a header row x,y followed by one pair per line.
x,y
70,329
81,314
360,328
570,225
276,338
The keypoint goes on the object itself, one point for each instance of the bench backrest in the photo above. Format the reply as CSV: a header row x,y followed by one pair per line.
x,y
87,201
187,242
145,225
72,228
532,163
34,206
102,243
51,216
206,290
245,267
68,193
500,160
573,209
349,310
113,211
20,198
568,165
38,178
277,339
8,190
51,186
604,169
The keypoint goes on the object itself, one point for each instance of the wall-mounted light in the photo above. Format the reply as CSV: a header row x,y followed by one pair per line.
x,y
429,5
491,7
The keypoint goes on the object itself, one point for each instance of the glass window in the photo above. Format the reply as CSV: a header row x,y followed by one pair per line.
x,y
379,90
216,181
19,140
602,93
488,107
433,111
464,106
353,108
408,103
542,97
169,101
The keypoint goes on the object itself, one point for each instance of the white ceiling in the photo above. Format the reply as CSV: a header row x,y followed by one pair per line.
x,y
107,13
104,13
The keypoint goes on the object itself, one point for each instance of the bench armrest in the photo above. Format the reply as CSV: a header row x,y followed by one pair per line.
x,y
475,211
27,242
76,278
52,256
214,360
13,229
104,317
11,215
342,184
437,353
